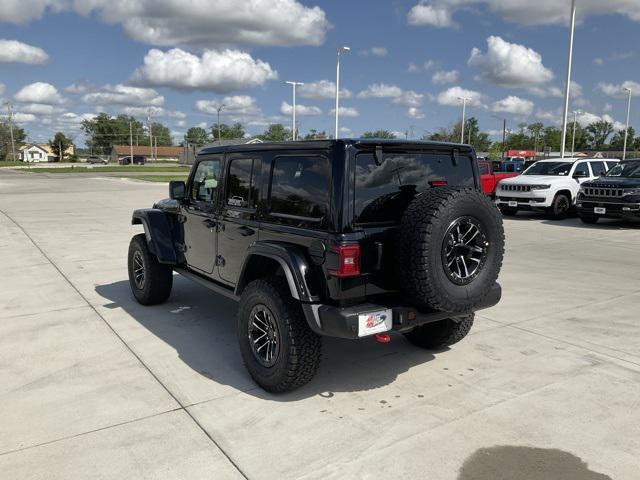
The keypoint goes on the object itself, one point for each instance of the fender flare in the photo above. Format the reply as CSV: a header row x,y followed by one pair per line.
x,y
158,233
292,261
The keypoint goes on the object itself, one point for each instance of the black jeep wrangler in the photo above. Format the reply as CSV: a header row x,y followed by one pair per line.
x,y
614,195
347,238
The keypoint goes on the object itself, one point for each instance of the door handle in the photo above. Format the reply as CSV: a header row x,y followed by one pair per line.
x,y
209,223
246,231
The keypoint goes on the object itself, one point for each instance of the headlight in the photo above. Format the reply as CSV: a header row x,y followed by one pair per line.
x,y
632,191
540,187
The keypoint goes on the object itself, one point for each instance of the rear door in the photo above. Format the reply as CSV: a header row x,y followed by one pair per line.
x,y
199,215
238,226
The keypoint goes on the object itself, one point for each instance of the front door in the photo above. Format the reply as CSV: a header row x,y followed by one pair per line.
x,y
199,216
238,223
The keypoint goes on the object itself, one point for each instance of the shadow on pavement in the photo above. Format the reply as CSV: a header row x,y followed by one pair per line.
x,y
200,326
526,463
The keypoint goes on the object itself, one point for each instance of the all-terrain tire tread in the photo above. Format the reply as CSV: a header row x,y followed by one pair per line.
x,y
158,277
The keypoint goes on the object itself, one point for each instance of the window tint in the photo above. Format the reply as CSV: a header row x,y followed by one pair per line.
x,y
241,191
611,165
598,168
484,169
205,181
383,191
300,187
582,169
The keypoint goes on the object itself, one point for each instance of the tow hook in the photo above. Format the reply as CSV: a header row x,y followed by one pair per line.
x,y
382,337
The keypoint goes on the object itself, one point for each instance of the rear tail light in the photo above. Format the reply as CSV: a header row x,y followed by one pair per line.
x,y
348,260
438,183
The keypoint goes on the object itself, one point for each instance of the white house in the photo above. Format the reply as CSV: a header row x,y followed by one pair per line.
x,y
34,153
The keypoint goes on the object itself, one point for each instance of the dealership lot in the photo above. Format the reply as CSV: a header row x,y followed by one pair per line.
x,y
94,385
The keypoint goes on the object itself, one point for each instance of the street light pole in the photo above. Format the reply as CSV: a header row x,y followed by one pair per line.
x,y
567,91
626,132
13,145
150,135
219,109
131,140
464,108
294,133
340,50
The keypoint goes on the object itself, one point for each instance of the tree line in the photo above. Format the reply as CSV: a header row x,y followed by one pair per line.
x,y
104,131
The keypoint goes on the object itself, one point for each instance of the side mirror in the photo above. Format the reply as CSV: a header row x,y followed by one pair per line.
x,y
177,190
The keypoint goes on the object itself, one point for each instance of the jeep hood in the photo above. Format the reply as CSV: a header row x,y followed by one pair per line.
x,y
537,180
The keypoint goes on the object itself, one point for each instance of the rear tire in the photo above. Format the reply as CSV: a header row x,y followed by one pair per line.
x,y
439,335
588,219
560,208
150,280
293,359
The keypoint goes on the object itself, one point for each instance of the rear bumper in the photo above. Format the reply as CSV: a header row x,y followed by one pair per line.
x,y
343,322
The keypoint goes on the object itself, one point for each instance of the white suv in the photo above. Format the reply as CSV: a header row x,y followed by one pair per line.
x,y
550,185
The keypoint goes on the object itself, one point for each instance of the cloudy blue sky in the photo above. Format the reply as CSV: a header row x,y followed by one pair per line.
x,y
64,60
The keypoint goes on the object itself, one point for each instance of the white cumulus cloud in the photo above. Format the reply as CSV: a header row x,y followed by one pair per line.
x,y
414,112
202,23
216,71
443,77
409,98
125,95
375,51
451,97
322,89
618,90
13,51
302,110
346,112
515,105
510,64
430,15
39,92
381,90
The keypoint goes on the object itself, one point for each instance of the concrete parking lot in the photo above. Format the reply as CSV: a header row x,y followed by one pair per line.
x,y
93,385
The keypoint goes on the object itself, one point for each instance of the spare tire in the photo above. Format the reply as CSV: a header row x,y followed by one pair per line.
x,y
449,249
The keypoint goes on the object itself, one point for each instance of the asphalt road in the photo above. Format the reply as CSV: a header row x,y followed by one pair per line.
x,y
93,385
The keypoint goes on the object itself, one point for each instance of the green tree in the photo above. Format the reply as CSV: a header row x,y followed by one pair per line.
x,y
551,138
161,135
276,132
379,134
19,137
227,132
598,133
197,136
617,141
536,131
104,131
59,145
316,135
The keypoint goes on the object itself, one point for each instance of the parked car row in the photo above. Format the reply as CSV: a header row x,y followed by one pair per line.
x,y
596,188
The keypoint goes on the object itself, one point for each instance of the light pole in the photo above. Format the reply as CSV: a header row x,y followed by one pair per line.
x,y
339,51
13,145
150,135
567,91
219,109
573,138
294,134
626,132
464,108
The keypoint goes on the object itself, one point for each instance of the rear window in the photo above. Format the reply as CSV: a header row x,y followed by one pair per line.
x,y
383,191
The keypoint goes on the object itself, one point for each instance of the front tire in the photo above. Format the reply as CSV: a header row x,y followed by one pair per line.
x,y
150,280
560,207
279,349
440,335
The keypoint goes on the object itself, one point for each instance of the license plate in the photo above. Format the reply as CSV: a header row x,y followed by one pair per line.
x,y
600,210
513,204
374,322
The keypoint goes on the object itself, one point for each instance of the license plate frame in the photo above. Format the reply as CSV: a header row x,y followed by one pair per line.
x,y
371,323
600,210
513,203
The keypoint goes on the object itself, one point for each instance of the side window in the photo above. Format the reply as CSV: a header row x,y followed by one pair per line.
x,y
610,165
205,181
241,191
484,169
300,188
582,169
598,168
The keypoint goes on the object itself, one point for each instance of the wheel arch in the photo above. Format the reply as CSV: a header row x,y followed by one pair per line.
x,y
269,258
157,231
